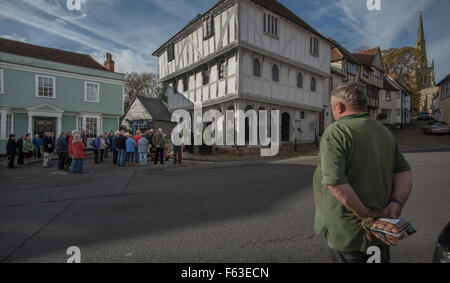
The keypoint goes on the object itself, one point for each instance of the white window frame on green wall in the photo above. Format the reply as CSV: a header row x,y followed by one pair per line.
x,y
86,88
2,82
37,86
4,113
84,117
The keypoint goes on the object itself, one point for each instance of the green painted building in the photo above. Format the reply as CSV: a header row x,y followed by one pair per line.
x,y
44,89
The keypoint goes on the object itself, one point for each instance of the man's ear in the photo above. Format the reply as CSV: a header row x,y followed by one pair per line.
x,y
340,107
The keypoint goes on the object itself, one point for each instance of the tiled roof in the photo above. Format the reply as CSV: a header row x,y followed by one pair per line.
x,y
366,57
156,108
49,54
338,52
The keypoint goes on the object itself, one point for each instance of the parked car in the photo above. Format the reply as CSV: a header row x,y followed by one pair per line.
x,y
436,128
423,116
442,250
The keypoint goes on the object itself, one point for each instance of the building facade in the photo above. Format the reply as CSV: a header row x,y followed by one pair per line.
x,y
371,75
388,102
250,54
44,89
444,102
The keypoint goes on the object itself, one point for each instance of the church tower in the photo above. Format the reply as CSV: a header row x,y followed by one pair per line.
x,y
425,75
421,44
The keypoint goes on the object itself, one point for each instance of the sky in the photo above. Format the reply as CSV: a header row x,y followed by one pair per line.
x,y
133,29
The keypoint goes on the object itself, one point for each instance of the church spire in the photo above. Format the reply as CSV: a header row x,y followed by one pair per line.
x,y
420,43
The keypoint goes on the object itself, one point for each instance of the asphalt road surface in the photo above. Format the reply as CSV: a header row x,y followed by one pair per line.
x,y
198,212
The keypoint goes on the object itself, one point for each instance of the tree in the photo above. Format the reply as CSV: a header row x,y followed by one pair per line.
x,y
143,84
401,62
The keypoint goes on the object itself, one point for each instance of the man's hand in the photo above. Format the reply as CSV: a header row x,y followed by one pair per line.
x,y
393,210
375,214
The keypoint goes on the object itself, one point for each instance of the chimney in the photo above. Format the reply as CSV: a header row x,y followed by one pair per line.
x,y
109,63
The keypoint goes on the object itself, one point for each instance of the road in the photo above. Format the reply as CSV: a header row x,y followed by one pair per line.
x,y
199,212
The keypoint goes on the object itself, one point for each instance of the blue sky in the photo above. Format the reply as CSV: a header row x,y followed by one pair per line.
x,y
132,29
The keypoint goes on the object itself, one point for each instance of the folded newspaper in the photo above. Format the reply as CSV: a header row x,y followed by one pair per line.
x,y
390,231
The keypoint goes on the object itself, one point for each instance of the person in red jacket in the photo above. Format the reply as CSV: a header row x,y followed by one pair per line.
x,y
136,138
78,149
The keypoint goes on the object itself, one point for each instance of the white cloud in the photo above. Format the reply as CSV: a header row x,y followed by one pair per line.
x,y
13,37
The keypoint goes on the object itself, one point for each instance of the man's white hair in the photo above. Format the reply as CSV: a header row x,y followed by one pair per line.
x,y
351,95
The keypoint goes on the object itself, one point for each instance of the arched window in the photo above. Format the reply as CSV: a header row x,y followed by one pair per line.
x,y
222,69
206,76
256,68
275,73
313,84
299,80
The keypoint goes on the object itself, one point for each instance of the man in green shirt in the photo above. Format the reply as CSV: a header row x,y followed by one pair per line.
x,y
361,173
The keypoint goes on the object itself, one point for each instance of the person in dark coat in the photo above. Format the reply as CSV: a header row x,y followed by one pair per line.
x,y
62,149
49,148
20,158
114,148
11,150
122,148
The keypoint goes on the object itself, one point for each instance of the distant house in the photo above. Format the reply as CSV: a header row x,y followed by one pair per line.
x,y
344,68
371,75
388,102
402,104
444,102
45,89
147,113
249,55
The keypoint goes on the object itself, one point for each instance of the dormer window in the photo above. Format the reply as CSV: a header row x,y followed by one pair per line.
x,y
270,25
314,46
171,52
208,27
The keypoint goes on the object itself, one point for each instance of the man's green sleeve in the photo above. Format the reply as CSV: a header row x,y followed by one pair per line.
x,y
333,150
400,165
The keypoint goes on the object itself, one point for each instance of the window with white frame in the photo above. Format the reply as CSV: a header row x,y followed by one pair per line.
x,y
270,25
91,92
388,95
2,87
8,125
91,127
45,86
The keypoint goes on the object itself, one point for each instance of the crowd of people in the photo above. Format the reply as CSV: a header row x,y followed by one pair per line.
x,y
127,150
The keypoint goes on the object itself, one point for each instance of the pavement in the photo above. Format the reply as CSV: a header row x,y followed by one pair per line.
x,y
239,212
